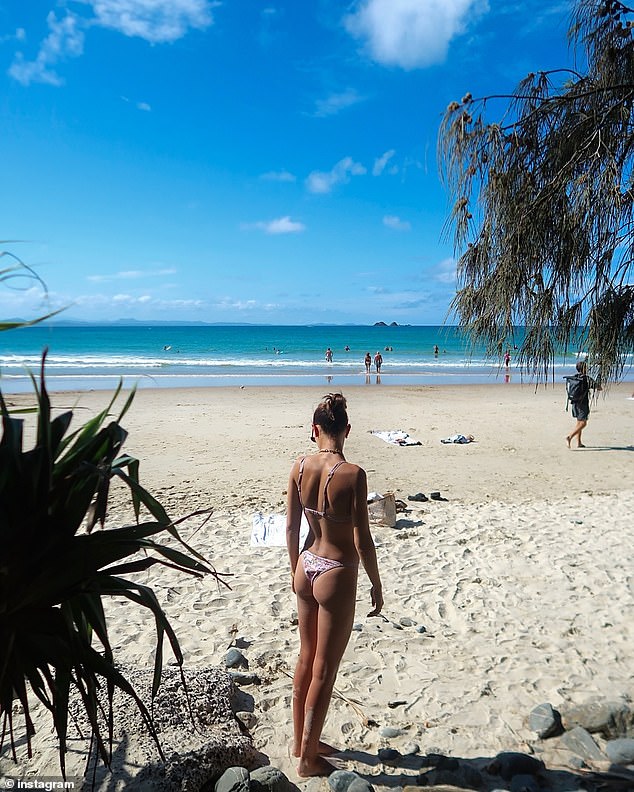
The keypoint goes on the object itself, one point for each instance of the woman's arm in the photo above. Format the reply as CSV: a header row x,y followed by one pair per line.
x,y
293,519
364,543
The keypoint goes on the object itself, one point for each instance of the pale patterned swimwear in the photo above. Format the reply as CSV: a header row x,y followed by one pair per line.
x,y
315,565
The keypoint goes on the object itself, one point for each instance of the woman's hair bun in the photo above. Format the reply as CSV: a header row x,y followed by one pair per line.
x,y
331,413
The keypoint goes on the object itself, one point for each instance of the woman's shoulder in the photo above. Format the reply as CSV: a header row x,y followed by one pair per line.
x,y
353,469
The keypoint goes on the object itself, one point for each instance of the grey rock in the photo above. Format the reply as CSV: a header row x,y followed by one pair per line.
x,y
575,762
405,621
241,678
545,721
234,779
235,659
388,754
396,625
357,627
579,741
421,629
390,731
249,719
360,785
610,718
524,783
340,780
270,779
620,751
509,764
410,749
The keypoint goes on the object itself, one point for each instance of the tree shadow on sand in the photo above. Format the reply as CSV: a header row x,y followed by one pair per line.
x,y
503,771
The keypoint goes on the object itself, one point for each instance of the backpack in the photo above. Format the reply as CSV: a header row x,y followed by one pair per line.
x,y
577,387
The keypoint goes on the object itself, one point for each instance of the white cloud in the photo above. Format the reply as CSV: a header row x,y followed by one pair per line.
x,y
281,225
156,21
323,182
391,221
100,301
131,275
153,20
144,106
227,303
411,33
335,103
280,176
65,40
446,271
381,162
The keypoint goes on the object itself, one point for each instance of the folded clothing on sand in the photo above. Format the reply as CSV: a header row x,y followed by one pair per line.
x,y
269,530
395,437
459,438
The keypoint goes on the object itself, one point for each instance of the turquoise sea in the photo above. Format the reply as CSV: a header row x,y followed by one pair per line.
x,y
95,357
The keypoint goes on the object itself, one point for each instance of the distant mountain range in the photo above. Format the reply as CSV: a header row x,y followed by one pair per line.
x,y
173,323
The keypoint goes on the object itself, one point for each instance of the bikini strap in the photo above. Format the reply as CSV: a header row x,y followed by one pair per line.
x,y
331,473
299,479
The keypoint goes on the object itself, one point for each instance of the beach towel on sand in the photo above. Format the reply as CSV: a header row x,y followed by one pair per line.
x,y
395,437
269,530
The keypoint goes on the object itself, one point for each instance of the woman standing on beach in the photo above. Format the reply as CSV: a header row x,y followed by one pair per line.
x,y
333,495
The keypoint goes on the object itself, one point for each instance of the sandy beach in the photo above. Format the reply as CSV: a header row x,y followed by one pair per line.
x,y
521,575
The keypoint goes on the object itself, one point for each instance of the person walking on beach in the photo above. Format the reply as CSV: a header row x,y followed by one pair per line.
x,y
378,362
581,402
332,493
368,362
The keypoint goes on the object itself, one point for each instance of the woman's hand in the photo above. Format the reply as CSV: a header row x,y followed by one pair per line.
x,y
376,595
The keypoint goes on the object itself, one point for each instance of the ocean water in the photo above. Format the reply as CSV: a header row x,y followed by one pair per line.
x,y
96,357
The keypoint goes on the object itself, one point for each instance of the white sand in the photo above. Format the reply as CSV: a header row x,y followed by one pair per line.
x,y
522,577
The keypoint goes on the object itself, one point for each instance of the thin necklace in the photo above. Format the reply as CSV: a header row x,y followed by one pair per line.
x,y
330,451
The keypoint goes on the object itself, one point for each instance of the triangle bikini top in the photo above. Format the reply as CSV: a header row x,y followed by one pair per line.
x,y
317,512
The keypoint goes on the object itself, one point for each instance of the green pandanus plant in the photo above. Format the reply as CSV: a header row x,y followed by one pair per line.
x,y
55,570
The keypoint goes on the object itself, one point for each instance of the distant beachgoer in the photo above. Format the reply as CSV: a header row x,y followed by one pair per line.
x,y
581,406
346,348
368,362
436,350
378,362
324,573
507,358
329,355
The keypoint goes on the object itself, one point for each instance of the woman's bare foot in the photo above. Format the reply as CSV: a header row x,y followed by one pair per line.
x,y
568,440
316,767
323,749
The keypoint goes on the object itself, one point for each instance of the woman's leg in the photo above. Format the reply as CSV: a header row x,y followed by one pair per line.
x,y
335,591
307,620
577,433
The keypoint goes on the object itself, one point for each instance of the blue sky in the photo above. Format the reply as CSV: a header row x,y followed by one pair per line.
x,y
264,161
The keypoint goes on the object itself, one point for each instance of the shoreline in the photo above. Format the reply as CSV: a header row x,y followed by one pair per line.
x,y
14,385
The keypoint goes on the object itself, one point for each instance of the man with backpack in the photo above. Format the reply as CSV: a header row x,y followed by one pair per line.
x,y
578,389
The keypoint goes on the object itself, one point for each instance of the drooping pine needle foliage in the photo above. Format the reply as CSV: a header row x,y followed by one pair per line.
x,y
56,571
542,213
